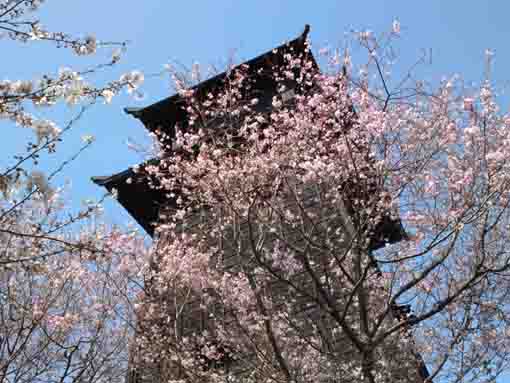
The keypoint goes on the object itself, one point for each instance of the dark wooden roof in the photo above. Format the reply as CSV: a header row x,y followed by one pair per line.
x,y
140,200
165,113
143,202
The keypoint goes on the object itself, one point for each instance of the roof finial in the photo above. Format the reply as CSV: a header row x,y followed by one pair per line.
x,y
305,32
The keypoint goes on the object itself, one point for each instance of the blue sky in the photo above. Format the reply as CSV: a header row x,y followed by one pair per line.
x,y
458,32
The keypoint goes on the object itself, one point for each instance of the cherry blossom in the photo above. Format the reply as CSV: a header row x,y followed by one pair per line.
x,y
65,297
267,252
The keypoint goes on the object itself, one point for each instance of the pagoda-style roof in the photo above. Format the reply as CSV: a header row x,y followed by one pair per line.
x,y
163,115
140,200
143,201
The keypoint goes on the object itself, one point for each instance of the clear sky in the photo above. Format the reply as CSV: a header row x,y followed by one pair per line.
x,y
457,31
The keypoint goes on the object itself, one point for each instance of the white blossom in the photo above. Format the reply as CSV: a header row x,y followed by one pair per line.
x,y
107,95
88,139
45,129
396,27
74,92
133,80
38,180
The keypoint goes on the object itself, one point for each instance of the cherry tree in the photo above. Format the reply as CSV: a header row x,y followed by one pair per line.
x,y
355,231
65,290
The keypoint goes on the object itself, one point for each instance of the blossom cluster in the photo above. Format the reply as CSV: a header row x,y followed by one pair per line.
x,y
68,282
275,245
